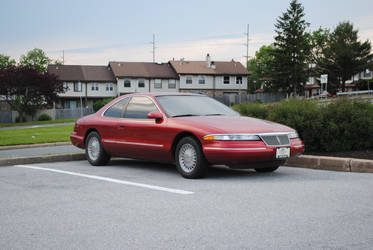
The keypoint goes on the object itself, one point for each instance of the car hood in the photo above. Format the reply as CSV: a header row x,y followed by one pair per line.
x,y
234,124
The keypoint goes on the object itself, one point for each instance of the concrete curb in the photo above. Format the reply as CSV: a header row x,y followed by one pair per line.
x,y
42,159
35,145
331,163
303,161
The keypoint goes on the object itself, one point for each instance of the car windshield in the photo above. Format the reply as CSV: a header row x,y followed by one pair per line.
x,y
189,105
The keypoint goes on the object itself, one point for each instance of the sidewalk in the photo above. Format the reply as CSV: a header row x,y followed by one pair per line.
x,y
37,150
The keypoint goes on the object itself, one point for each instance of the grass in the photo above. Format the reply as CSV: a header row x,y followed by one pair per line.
x,y
36,123
35,135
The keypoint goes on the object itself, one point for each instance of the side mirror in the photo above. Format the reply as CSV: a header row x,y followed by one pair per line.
x,y
155,115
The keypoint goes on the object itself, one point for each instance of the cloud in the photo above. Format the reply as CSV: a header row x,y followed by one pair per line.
x,y
221,49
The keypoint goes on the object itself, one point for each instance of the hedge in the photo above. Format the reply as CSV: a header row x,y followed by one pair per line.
x,y
99,104
343,125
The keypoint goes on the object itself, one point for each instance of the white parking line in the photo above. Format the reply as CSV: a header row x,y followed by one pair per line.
x,y
158,188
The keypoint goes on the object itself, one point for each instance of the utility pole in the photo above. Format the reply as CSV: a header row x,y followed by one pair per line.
x,y
153,48
63,57
247,44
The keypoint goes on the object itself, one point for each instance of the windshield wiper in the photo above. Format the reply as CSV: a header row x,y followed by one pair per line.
x,y
184,115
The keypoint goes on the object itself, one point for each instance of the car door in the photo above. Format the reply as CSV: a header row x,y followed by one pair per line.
x,y
111,127
144,138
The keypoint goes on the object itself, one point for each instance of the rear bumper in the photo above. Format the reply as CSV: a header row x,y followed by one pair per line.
x,y
77,140
237,153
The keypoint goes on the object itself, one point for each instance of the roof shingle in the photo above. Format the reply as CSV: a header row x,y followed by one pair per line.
x,y
143,69
85,73
199,67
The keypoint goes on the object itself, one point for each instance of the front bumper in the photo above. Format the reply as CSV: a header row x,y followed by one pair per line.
x,y
246,152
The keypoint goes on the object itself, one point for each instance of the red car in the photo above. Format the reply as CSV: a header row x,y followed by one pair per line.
x,y
192,130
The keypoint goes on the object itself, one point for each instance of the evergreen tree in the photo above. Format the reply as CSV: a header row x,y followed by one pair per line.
x,y
292,49
345,56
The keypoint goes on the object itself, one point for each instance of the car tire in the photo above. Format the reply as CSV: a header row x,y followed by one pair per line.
x,y
266,170
190,161
94,152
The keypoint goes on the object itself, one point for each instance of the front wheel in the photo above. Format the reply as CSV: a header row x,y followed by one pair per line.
x,y
190,161
266,170
94,151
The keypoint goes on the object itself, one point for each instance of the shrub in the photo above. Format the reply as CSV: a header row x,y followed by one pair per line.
x,y
44,117
340,126
99,104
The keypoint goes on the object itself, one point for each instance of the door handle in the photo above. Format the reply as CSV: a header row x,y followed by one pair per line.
x,y
121,126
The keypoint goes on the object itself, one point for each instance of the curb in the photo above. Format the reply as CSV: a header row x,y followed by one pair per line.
x,y
35,145
331,163
42,159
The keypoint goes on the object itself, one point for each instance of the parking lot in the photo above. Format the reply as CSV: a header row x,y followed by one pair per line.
x,y
142,205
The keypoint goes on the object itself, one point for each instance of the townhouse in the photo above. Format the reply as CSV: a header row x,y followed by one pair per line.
x,y
134,77
211,78
83,84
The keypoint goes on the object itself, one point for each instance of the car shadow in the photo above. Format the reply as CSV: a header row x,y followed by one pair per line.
x,y
214,171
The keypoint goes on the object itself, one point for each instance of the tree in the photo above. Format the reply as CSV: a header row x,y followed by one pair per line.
x,y
261,68
26,89
345,55
5,61
292,49
35,58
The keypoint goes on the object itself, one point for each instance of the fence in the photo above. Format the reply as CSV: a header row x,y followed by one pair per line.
x,y
231,99
10,116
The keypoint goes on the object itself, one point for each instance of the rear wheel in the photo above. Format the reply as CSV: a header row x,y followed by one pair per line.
x,y
94,151
266,170
190,161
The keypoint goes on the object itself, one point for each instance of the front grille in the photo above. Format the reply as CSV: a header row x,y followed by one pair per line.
x,y
275,140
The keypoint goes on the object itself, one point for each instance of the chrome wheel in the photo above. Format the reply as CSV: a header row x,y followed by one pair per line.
x,y
93,148
187,158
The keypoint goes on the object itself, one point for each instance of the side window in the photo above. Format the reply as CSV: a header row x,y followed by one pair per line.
x,y
117,109
139,107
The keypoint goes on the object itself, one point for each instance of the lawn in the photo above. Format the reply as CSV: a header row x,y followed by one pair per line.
x,y
35,135
36,123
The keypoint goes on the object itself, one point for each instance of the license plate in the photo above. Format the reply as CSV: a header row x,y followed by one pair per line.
x,y
282,153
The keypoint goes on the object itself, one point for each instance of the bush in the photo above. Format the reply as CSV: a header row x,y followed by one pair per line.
x,y
341,126
99,104
44,117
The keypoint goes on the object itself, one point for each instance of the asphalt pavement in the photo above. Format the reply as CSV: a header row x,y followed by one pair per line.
x,y
141,205
24,152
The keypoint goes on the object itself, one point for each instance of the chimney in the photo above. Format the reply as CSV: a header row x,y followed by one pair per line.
x,y
208,61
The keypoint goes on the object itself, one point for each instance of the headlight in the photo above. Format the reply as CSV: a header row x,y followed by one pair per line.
x,y
231,137
293,135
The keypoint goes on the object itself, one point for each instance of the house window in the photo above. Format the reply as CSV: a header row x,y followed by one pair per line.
x,y
172,84
226,80
201,80
127,83
65,86
77,87
238,79
109,87
94,87
158,83
367,73
141,83
189,80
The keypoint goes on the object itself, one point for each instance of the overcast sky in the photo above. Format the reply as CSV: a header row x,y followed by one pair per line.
x,y
95,32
